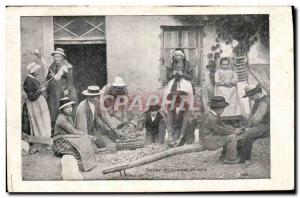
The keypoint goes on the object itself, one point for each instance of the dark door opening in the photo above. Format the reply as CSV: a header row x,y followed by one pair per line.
x,y
89,65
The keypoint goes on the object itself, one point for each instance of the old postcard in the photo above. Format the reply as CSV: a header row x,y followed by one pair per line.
x,y
149,99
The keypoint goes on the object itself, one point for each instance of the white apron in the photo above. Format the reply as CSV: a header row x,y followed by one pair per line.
x,y
39,116
230,94
183,85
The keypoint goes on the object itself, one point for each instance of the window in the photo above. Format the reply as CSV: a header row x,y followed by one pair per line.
x,y
83,30
188,38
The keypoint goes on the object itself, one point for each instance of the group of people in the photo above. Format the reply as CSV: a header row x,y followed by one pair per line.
x,y
236,142
226,102
84,129
75,129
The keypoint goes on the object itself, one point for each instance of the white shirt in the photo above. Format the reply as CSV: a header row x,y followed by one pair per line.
x,y
92,106
153,117
31,76
179,109
213,112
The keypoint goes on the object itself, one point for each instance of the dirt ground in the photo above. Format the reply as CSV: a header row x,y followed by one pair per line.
x,y
200,165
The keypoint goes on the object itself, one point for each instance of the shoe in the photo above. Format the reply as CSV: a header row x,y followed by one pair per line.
x,y
247,163
237,161
33,150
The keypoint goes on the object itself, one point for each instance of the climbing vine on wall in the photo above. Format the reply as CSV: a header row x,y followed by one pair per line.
x,y
244,30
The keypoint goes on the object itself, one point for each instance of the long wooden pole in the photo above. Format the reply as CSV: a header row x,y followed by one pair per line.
x,y
154,157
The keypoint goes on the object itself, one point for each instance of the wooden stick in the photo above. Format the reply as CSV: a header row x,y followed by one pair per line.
x,y
154,157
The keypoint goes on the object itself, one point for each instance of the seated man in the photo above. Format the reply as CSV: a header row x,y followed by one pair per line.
x,y
153,121
213,134
88,120
69,141
258,124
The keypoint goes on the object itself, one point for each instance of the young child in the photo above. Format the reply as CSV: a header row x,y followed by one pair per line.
x,y
154,123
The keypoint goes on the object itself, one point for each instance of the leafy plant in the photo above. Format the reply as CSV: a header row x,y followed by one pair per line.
x,y
246,29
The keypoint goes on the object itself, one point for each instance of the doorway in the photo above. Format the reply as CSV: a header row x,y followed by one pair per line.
x,y
89,65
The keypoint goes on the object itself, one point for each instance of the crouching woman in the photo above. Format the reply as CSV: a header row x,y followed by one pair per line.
x,y
70,141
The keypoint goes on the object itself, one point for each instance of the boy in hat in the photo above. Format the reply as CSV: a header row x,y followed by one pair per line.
x,y
258,124
88,120
68,140
213,134
153,121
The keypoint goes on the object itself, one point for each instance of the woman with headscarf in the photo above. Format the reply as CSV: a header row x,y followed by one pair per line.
x,y
36,117
61,85
179,75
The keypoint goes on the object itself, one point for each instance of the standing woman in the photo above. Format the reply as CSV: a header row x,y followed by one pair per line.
x,y
37,109
62,84
226,85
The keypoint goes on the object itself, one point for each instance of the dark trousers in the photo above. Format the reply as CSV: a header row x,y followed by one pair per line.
x,y
246,140
155,134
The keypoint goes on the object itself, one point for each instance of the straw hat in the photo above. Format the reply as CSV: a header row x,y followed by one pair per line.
x,y
64,102
92,91
119,82
32,67
252,89
59,51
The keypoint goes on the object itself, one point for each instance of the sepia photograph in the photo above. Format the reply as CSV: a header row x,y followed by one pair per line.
x,y
114,97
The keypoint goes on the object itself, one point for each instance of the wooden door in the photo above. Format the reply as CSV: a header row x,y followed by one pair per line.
x,y
187,38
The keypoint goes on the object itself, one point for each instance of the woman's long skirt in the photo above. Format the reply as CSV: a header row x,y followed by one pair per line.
x,y
231,96
182,86
79,147
39,117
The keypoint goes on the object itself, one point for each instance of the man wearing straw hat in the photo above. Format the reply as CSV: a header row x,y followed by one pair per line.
x,y
258,124
88,120
61,85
